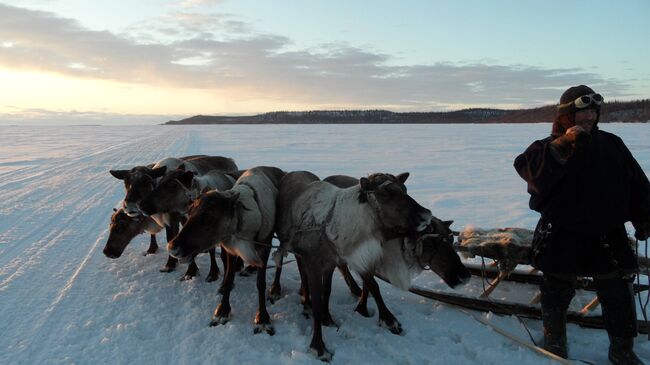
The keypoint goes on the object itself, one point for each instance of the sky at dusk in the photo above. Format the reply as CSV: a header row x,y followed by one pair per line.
x,y
151,60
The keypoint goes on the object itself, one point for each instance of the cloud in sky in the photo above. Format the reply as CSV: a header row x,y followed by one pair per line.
x,y
220,53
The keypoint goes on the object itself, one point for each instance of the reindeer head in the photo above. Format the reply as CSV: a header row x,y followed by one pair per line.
x,y
213,218
434,250
171,194
395,210
138,182
123,229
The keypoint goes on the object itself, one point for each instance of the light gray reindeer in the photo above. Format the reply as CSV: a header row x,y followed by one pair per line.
x,y
406,257
325,225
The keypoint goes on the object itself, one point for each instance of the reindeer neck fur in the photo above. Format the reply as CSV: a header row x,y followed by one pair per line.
x,y
257,196
354,231
151,226
258,192
162,219
398,265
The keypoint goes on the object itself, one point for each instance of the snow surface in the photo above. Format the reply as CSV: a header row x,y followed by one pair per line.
x,y
63,302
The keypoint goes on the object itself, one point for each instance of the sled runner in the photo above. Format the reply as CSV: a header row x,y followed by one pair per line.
x,y
509,308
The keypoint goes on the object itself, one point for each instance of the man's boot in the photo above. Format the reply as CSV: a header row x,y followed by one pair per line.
x,y
557,292
619,312
621,351
555,332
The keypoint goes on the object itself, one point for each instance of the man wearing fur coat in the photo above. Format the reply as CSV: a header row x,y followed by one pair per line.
x,y
586,185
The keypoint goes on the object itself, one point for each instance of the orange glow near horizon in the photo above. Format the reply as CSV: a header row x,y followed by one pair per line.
x,y
23,90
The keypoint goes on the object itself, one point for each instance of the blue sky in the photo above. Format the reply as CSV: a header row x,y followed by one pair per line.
x,y
163,57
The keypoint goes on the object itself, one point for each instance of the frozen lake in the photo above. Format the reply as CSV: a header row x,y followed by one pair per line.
x,y
63,302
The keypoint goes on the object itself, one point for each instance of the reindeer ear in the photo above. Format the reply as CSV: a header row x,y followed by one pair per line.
x,y
403,176
186,178
119,174
158,172
365,183
447,223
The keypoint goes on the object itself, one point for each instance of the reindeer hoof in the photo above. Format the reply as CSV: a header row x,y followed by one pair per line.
x,y
149,252
274,295
393,326
264,328
322,354
167,269
187,277
218,320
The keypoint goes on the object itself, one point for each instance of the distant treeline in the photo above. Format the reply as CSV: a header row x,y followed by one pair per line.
x,y
614,111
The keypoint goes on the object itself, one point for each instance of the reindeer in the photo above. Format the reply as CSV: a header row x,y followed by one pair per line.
x,y
173,195
141,180
325,225
406,257
241,220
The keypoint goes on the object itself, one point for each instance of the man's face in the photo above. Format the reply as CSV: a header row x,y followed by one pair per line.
x,y
586,119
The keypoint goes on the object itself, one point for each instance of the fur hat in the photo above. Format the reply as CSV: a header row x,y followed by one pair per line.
x,y
561,122
572,94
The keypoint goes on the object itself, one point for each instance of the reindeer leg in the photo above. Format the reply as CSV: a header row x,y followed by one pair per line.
x,y
304,288
153,246
386,318
327,291
172,262
222,313
349,280
192,271
262,319
315,279
213,275
276,290
362,306
229,261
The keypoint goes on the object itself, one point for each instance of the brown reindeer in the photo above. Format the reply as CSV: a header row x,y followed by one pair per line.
x,y
241,220
140,181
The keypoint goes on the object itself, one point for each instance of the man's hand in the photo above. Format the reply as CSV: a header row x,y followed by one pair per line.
x,y
564,146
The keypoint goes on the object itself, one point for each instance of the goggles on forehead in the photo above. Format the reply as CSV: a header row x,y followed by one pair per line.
x,y
584,101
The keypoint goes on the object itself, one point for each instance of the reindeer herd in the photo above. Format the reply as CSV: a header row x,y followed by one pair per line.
x,y
369,225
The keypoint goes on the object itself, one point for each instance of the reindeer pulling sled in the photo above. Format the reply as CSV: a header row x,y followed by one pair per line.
x,y
370,225
507,248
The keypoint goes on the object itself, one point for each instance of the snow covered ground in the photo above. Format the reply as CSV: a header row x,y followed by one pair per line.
x,y
63,302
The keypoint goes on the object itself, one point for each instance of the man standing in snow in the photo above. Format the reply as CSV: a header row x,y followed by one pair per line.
x,y
586,185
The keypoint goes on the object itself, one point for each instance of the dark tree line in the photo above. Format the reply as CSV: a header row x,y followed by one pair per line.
x,y
613,111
